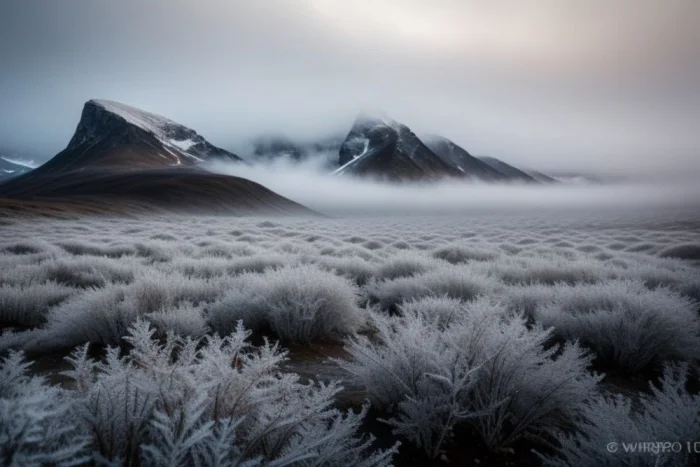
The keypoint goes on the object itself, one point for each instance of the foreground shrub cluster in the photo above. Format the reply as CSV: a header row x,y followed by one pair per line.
x,y
470,365
178,403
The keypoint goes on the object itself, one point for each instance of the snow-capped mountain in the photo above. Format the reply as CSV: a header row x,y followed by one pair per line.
x,y
122,158
111,134
379,147
460,158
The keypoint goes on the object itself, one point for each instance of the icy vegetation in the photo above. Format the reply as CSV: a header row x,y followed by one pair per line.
x,y
228,341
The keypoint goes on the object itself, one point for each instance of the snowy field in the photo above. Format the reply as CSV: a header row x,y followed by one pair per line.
x,y
534,338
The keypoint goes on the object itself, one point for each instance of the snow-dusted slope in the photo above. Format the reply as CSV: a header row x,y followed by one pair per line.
x,y
380,147
111,134
460,158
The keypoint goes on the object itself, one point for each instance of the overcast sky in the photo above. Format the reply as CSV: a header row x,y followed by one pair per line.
x,y
548,84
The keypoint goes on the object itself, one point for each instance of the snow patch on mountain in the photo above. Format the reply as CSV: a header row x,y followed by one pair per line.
x,y
24,163
184,144
156,124
176,139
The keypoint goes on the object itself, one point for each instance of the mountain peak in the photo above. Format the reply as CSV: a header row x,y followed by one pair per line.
x,y
379,146
112,134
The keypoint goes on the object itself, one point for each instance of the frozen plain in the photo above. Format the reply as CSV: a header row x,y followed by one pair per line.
x,y
568,316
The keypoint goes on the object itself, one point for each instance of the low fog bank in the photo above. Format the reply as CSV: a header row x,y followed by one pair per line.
x,y
309,185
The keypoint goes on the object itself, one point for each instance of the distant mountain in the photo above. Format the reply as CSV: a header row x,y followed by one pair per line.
x,y
540,177
578,178
111,134
123,159
269,147
460,159
381,148
10,169
511,172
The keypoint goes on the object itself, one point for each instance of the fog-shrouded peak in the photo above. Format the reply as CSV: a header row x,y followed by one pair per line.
x,y
380,147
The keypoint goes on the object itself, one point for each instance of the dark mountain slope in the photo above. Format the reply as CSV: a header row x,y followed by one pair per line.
x,y
513,174
460,159
178,189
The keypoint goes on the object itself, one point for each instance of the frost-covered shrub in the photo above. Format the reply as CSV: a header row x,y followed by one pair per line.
x,y
298,304
625,323
405,264
27,305
88,271
84,248
27,247
36,426
215,402
683,280
485,370
463,253
451,281
441,310
156,291
552,270
356,269
257,263
201,268
103,315
669,413
100,316
355,252
184,319
685,251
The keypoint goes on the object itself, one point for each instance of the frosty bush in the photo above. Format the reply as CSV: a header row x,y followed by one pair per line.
x,y
485,369
626,324
103,315
689,251
443,311
98,315
405,264
84,248
27,305
214,402
298,304
183,320
463,254
88,271
544,270
355,269
450,281
668,413
36,427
